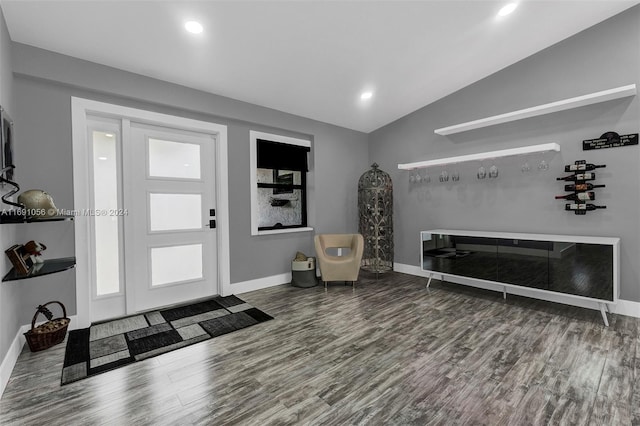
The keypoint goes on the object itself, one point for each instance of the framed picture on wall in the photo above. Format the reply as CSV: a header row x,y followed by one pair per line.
x,y
283,178
6,143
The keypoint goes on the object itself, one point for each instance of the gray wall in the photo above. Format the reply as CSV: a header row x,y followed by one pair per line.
x,y
44,83
6,78
9,292
602,57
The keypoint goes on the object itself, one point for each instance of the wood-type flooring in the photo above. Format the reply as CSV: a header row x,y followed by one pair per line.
x,y
388,352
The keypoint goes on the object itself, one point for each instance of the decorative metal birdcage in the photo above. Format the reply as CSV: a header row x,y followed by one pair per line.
x,y
375,207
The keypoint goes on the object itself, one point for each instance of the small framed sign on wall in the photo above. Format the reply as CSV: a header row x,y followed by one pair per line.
x,y
610,140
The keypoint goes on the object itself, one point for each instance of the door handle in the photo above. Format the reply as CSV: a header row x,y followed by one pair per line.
x,y
211,224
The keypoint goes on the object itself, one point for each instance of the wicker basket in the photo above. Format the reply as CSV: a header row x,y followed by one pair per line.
x,y
49,333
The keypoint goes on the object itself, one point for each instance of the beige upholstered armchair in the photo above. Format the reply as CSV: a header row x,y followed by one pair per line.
x,y
339,268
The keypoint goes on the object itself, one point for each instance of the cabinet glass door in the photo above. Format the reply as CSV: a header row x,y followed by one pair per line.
x,y
582,270
473,257
524,262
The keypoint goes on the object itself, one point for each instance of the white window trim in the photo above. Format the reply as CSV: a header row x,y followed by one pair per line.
x,y
253,156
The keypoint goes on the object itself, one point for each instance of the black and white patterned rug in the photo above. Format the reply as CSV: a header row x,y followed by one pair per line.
x,y
112,344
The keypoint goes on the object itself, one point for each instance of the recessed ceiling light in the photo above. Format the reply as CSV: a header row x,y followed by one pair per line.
x,y
109,135
102,158
366,95
194,27
186,164
507,9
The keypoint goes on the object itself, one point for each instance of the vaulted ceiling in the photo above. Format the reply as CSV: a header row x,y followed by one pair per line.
x,y
310,58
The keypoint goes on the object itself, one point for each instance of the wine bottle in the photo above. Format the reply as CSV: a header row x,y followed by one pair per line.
x,y
583,167
578,196
582,207
579,177
582,187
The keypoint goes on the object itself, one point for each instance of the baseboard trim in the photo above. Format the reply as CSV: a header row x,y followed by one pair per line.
x,y
260,283
11,357
623,307
9,361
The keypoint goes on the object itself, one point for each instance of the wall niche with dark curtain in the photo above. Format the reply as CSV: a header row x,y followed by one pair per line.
x,y
282,185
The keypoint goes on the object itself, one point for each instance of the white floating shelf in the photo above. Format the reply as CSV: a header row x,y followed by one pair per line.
x,y
531,149
579,101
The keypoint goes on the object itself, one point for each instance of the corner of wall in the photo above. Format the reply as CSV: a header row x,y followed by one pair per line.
x,y
9,294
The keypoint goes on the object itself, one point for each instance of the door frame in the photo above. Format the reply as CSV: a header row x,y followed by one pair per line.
x,y
82,108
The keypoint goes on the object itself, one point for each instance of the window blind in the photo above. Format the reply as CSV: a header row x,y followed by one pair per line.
x,y
282,156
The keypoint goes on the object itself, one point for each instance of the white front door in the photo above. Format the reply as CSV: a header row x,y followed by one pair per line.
x,y
151,218
144,196
170,235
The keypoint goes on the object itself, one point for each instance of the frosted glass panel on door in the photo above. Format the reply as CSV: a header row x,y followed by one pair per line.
x,y
176,264
174,159
105,198
172,212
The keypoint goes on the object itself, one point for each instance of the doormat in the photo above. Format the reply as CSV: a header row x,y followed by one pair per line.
x,y
111,344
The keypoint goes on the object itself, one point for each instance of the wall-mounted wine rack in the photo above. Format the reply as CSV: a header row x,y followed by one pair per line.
x,y
581,190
